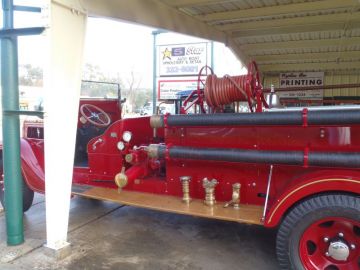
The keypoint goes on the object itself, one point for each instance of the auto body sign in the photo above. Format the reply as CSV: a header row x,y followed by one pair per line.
x,y
182,59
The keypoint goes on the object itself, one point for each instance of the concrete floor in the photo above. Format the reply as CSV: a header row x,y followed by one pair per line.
x,y
109,236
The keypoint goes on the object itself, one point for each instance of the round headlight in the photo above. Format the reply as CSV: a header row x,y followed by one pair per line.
x,y
127,135
121,145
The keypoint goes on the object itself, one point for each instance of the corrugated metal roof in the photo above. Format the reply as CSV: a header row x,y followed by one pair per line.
x,y
287,32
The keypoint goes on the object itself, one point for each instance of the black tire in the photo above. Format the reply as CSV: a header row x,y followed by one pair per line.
x,y
305,214
28,196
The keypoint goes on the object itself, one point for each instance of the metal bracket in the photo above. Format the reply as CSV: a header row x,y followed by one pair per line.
x,y
267,193
15,32
18,112
27,8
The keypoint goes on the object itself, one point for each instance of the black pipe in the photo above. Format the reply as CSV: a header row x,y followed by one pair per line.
x,y
322,159
335,159
319,117
328,117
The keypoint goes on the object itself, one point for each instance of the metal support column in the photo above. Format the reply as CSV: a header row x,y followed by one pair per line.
x,y
154,71
11,131
212,56
155,33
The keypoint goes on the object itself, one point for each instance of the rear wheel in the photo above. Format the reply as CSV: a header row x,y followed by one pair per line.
x,y
28,195
321,233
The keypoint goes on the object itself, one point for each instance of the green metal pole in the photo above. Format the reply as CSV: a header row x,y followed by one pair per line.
x,y
11,131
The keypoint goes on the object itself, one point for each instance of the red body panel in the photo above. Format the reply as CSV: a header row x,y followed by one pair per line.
x,y
316,183
105,159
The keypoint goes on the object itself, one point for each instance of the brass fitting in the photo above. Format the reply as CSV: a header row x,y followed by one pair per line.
x,y
121,180
235,199
209,187
156,121
153,150
185,181
128,158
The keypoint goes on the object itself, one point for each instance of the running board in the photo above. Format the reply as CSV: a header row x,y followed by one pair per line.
x,y
250,214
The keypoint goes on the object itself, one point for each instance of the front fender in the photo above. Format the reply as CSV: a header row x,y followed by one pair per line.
x,y
32,164
348,182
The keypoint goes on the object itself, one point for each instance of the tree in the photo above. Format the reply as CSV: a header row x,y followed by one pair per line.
x,y
142,97
31,76
94,73
133,90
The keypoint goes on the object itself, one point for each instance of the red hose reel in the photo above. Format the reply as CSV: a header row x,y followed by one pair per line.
x,y
218,92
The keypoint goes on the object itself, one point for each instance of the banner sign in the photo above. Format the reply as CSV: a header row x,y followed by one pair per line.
x,y
182,59
167,89
301,79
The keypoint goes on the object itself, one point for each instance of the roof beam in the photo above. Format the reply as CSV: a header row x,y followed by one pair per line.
x,y
153,13
297,21
310,66
299,44
337,26
190,3
342,55
278,10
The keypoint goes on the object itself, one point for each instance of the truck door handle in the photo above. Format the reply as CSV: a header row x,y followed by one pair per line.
x,y
97,142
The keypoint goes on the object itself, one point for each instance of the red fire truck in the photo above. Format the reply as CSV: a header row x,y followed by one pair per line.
x,y
296,169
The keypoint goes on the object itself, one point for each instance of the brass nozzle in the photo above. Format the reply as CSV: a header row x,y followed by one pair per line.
x,y
235,198
121,180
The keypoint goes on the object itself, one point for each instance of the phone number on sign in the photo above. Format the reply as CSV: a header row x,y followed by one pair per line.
x,y
183,69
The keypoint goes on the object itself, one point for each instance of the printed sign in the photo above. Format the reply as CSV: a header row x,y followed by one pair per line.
x,y
167,89
182,59
299,80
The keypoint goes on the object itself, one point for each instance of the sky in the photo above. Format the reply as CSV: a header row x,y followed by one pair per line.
x,y
118,48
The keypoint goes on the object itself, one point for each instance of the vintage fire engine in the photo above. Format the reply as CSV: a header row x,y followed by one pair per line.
x,y
296,169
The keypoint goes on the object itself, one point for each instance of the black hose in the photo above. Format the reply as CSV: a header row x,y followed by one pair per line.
x,y
319,117
322,159
335,159
233,119
328,117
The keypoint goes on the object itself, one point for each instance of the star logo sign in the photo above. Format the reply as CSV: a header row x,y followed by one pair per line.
x,y
166,54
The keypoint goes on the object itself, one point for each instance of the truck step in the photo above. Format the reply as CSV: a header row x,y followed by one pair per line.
x,y
250,214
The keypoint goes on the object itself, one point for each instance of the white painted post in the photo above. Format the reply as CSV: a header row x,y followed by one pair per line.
x,y
62,81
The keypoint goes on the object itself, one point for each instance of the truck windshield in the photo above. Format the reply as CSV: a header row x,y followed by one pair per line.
x,y
100,90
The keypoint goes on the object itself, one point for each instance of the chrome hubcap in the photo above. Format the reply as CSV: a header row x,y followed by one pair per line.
x,y
338,250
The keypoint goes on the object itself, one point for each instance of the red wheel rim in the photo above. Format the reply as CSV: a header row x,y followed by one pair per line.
x,y
331,244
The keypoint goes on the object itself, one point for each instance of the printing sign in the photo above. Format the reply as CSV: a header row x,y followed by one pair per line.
x,y
167,89
299,80
182,59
